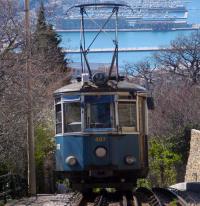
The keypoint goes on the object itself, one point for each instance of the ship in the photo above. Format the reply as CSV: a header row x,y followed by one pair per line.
x,y
144,14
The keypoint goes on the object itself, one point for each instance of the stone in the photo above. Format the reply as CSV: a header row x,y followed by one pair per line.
x,y
193,164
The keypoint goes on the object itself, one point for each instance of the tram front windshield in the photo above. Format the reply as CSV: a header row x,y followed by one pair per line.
x,y
99,112
100,116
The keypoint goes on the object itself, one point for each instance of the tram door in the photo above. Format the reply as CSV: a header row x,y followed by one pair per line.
x,y
99,120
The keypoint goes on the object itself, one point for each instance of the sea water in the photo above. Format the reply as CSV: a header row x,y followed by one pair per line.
x,y
71,40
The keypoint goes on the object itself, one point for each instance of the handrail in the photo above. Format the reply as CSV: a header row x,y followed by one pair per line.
x,y
12,185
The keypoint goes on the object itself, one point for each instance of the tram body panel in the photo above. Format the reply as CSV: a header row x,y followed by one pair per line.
x,y
91,143
121,147
67,146
83,149
101,136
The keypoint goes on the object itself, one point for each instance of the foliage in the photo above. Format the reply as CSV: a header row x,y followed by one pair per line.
x,y
144,183
11,121
162,162
9,27
46,74
181,141
49,63
183,58
46,43
174,203
44,143
44,146
142,70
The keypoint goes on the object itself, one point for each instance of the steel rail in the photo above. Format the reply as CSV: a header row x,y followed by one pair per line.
x,y
183,195
82,202
170,194
135,200
177,193
100,201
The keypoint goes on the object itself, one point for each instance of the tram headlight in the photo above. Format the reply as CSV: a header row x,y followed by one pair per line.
x,y
129,159
100,152
71,160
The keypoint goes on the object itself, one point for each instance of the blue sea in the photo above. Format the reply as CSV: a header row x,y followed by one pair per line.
x,y
71,40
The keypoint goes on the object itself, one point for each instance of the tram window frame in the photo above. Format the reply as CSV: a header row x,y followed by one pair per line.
x,y
58,113
123,99
143,114
73,123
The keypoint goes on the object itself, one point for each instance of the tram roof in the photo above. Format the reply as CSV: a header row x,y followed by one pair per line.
x,y
112,87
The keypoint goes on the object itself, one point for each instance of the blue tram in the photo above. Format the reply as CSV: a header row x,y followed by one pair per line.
x,y
101,120
101,134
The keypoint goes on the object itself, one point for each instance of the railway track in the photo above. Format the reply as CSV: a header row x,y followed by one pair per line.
x,y
168,196
141,197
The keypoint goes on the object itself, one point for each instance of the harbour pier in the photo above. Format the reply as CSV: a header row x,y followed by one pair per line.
x,y
108,50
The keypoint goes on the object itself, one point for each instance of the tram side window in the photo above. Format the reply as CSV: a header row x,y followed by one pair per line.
x,y
127,114
58,119
72,117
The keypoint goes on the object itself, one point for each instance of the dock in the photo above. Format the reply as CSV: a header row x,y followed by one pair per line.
x,y
108,50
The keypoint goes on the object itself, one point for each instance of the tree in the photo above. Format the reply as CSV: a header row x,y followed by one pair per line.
x,y
9,37
143,71
12,121
162,162
183,58
176,94
177,105
46,75
46,43
9,27
48,70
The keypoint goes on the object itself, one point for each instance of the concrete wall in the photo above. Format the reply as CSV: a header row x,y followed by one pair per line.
x,y
193,165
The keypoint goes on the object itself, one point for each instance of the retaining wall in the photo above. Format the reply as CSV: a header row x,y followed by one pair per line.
x,y
193,165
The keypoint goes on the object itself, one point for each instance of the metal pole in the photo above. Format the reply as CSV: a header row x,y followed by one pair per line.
x,y
81,41
116,42
83,35
30,129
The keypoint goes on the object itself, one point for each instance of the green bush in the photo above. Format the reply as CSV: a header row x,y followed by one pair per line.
x,y
144,183
162,162
44,145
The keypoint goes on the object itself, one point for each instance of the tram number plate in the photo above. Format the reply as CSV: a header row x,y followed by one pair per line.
x,y
100,139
